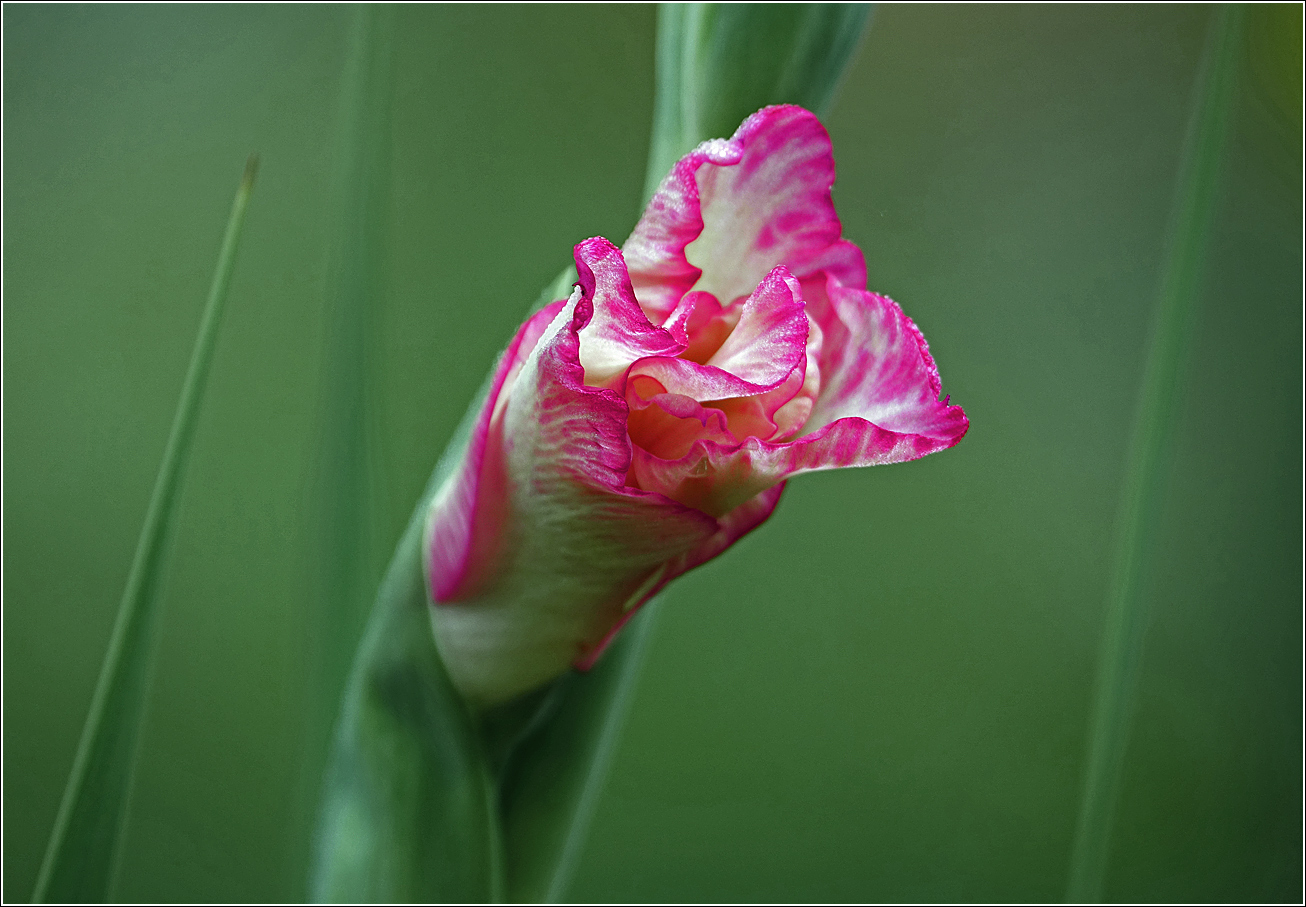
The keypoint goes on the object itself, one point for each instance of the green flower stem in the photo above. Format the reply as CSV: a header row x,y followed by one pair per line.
x,y
81,856
425,801
604,747
410,811
551,788
716,64
410,807
719,62
1151,453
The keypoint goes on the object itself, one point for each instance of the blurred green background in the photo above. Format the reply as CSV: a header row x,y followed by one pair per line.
x,y
882,694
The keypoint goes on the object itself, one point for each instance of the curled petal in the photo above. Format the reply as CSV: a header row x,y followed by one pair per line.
x,y
731,210
770,339
655,250
878,404
765,347
877,366
716,478
618,332
759,416
701,324
667,425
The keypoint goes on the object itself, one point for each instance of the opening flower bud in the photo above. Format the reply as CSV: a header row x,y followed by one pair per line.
x,y
640,427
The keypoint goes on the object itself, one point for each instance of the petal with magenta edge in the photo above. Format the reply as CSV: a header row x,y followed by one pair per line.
x,y
717,478
767,344
772,207
770,339
459,539
618,332
878,404
731,210
573,543
877,366
655,250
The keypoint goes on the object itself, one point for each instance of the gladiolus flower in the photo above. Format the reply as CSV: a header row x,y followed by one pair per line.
x,y
640,427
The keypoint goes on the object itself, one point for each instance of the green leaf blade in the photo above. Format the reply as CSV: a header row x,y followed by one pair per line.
x,y
347,491
82,853
1151,454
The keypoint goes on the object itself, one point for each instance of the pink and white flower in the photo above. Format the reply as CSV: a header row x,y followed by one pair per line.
x,y
642,426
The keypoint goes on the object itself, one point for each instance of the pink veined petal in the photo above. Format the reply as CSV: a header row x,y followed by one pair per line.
x,y
758,416
770,339
731,528
731,210
772,207
655,251
574,544
794,413
878,404
697,382
458,542
715,478
819,308
618,332
667,425
767,345
702,324
877,366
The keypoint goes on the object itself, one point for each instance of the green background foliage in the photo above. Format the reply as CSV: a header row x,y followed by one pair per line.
x,y
883,693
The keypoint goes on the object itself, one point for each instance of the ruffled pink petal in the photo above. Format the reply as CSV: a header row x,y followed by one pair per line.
x,y
770,339
766,346
794,414
655,251
731,210
878,404
756,416
702,324
697,382
667,425
772,207
568,545
877,366
716,478
619,332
